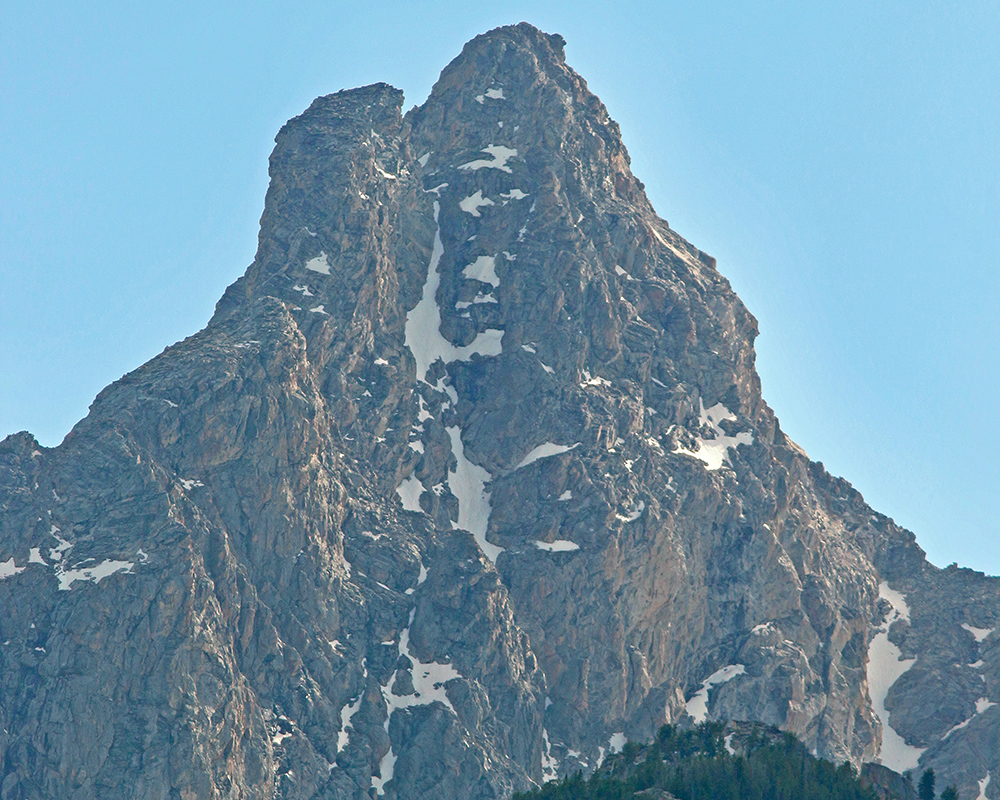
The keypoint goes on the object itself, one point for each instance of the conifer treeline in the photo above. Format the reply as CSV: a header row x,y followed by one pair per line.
x,y
700,764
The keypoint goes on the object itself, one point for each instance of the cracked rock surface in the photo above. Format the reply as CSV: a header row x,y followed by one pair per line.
x,y
468,479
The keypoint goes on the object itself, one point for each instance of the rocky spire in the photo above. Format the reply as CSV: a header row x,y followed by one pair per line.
x,y
468,480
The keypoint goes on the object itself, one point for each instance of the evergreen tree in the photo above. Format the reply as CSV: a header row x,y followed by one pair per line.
x,y
925,790
951,793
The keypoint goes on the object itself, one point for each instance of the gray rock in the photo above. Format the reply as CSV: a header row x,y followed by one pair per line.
x,y
301,553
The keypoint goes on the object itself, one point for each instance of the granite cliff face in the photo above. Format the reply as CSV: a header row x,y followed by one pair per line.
x,y
468,479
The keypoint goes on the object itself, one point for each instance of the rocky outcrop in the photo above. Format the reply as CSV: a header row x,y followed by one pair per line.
x,y
468,479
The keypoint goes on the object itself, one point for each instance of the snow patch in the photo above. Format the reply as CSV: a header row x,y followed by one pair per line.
x,y
472,203
550,766
423,324
422,161
190,484
429,681
884,669
545,451
513,194
346,715
320,309
617,743
468,484
983,783
319,264
304,289
409,492
634,514
978,633
479,299
483,269
558,546
597,380
499,156
495,94
697,706
567,495
93,574
714,451
8,568
982,705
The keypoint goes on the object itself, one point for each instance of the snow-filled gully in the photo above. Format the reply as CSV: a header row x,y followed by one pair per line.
x,y
467,481
884,669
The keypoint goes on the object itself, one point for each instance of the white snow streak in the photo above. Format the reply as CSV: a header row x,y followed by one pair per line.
x,y
884,669
468,483
983,783
982,705
714,451
499,157
697,706
346,714
423,324
550,766
545,451
429,681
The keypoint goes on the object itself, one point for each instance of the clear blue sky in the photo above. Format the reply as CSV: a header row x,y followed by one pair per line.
x,y
841,161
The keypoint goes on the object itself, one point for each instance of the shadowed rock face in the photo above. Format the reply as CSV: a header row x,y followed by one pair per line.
x,y
468,475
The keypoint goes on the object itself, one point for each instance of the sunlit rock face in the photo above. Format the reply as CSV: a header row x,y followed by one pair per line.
x,y
467,481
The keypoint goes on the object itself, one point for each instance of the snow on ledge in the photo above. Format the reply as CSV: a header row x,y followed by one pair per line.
x,y
95,574
409,492
715,451
484,269
499,156
319,264
979,633
546,450
558,546
472,203
9,568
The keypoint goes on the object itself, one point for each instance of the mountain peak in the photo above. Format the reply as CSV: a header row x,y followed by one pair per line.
x,y
468,480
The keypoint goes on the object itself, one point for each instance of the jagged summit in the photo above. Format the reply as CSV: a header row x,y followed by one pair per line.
x,y
468,479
